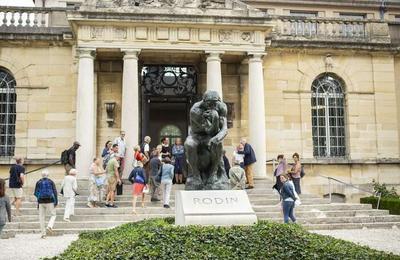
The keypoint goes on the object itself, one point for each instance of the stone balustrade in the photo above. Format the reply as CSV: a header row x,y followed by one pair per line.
x,y
334,29
24,17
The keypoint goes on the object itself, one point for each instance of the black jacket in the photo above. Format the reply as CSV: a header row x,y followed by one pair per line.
x,y
249,155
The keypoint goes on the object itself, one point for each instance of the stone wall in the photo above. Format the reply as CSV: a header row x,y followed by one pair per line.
x,y
46,91
371,106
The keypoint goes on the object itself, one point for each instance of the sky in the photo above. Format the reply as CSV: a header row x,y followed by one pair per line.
x,y
17,3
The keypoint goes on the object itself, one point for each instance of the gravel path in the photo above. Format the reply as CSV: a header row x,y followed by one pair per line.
x,y
31,246
381,239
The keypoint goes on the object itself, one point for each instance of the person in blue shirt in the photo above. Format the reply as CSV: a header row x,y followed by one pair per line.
x,y
178,153
17,180
167,174
139,181
249,160
288,199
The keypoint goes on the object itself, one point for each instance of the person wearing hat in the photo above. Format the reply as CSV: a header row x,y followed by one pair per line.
x,y
69,189
167,175
71,157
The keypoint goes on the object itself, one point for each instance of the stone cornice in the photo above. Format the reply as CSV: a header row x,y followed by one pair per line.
x,y
360,4
360,46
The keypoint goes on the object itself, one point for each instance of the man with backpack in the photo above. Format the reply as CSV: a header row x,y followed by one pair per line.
x,y
68,157
46,194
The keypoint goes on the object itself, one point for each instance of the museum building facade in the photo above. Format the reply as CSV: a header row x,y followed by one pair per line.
x,y
320,79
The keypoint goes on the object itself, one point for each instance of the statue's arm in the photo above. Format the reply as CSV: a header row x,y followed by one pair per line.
x,y
222,111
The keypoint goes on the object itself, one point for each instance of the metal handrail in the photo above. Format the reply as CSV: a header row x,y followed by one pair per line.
x,y
375,194
40,168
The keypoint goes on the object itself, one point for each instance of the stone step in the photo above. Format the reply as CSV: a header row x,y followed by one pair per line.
x,y
323,207
159,210
113,223
374,225
33,199
341,220
327,214
255,201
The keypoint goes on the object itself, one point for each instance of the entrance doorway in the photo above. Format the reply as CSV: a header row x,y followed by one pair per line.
x,y
167,96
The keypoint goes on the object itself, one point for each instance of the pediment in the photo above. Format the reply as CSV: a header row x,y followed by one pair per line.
x,y
184,7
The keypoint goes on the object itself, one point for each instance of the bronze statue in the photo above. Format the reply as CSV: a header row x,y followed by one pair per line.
x,y
208,128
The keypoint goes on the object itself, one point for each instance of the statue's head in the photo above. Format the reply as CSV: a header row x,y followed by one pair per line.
x,y
211,98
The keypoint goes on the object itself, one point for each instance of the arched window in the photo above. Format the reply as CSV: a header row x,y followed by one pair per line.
x,y
8,98
328,119
172,132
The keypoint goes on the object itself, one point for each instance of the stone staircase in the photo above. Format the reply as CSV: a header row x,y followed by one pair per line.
x,y
314,213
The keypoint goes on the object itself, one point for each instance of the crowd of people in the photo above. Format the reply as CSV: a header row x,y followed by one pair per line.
x,y
155,170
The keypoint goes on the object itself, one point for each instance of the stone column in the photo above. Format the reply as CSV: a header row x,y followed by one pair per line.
x,y
130,117
85,112
214,76
256,120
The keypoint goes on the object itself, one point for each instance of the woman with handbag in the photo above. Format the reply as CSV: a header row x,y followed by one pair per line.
x,y
97,180
138,179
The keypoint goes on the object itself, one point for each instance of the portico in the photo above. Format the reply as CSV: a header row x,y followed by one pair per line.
x,y
241,38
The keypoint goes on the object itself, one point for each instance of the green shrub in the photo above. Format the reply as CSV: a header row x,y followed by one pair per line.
x,y
384,191
160,239
391,204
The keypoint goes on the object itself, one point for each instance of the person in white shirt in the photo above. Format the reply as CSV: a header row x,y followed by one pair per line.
x,y
237,157
121,149
69,187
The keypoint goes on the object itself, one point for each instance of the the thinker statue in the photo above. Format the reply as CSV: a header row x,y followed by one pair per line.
x,y
208,128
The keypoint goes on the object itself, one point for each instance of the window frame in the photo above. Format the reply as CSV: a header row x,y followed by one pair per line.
x,y
329,139
9,101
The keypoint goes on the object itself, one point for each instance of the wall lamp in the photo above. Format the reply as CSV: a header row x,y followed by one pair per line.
x,y
110,109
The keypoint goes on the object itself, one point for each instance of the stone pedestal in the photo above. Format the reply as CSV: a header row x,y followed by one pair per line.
x,y
257,135
130,106
214,76
213,207
85,113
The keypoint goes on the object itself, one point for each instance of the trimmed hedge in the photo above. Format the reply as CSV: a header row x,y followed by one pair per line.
x,y
391,204
160,239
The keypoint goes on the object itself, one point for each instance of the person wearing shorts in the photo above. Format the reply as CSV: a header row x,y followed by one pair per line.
x,y
113,179
17,179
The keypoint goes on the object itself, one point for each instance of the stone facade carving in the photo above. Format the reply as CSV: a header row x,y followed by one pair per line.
x,y
200,4
119,33
96,32
225,36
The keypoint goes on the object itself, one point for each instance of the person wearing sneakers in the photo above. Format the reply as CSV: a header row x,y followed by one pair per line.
x,y
69,189
138,179
167,175
16,182
113,178
46,194
249,160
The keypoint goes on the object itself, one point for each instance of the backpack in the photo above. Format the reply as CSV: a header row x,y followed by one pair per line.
x,y
64,157
302,173
45,190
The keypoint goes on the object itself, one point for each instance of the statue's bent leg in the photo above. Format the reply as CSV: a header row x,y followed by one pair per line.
x,y
218,179
193,181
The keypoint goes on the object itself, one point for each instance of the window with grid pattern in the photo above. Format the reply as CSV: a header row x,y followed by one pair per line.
x,y
328,116
8,98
